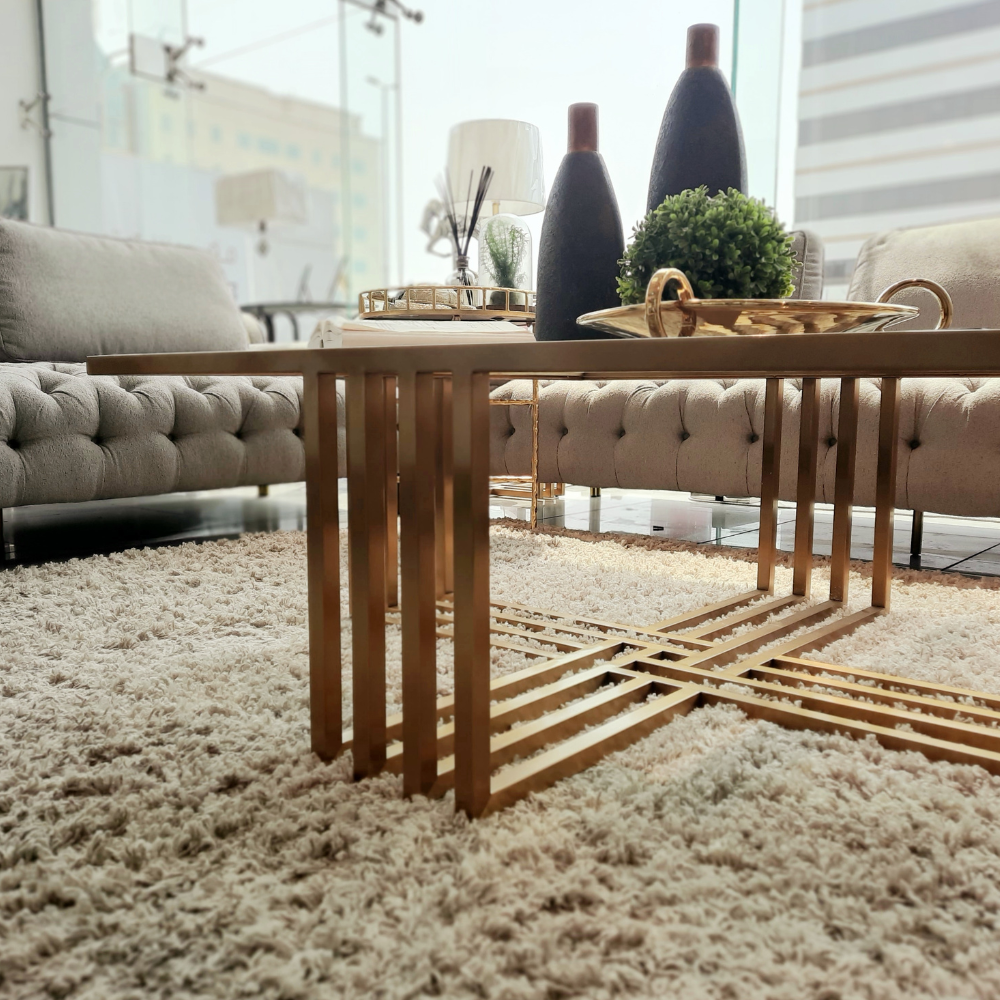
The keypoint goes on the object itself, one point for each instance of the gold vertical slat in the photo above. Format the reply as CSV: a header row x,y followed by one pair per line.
x,y
770,467
843,498
534,453
391,498
440,588
470,399
366,529
417,433
805,492
319,408
444,490
885,492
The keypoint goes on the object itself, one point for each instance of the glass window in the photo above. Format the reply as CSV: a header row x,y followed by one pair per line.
x,y
898,110
311,90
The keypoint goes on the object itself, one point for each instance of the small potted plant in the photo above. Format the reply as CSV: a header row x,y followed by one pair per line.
x,y
729,246
506,259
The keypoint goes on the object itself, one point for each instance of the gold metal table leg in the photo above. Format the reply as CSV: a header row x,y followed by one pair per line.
x,y
843,499
417,433
805,494
391,496
367,530
885,492
534,453
443,489
770,469
470,401
319,406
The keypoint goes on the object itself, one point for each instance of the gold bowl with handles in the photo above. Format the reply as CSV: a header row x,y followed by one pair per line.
x,y
688,316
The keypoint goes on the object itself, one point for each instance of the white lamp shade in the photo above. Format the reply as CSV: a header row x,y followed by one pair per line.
x,y
513,149
260,196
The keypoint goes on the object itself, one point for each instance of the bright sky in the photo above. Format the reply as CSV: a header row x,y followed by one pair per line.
x,y
524,59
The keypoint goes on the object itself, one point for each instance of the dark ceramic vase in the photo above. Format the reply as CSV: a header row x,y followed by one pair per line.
x,y
581,240
700,139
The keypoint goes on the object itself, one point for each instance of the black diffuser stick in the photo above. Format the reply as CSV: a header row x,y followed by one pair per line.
x,y
485,177
461,232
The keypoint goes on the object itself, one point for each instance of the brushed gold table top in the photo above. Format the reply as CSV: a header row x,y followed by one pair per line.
x,y
901,354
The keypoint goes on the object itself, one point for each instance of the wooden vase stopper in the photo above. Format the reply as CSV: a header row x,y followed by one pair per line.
x,y
703,45
582,128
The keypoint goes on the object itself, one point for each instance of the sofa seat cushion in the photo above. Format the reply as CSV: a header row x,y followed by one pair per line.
x,y
65,296
69,436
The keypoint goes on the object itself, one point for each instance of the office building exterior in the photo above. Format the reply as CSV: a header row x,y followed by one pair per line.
x,y
899,120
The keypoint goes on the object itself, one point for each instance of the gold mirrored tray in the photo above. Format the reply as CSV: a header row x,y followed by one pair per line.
x,y
688,316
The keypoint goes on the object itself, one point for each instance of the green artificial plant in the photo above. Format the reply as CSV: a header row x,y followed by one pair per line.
x,y
506,246
729,246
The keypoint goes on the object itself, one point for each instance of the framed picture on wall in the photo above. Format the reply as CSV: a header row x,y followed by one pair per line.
x,y
14,193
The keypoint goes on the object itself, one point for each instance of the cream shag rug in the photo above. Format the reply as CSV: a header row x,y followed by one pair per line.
x,y
165,831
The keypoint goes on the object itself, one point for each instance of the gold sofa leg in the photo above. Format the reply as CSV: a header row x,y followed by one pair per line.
x,y
916,538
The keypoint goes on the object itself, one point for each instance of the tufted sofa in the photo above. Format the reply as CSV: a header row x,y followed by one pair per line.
x,y
68,436
704,436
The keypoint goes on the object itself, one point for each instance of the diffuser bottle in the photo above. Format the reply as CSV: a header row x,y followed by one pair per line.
x,y
581,241
700,140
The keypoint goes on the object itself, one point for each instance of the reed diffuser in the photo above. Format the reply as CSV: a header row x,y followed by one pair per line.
x,y
461,230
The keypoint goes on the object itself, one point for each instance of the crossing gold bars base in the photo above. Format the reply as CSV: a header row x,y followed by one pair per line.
x,y
597,685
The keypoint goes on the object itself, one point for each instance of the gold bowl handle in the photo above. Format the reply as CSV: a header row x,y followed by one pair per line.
x,y
940,292
654,293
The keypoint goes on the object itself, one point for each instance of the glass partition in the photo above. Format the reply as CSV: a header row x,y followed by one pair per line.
x,y
141,154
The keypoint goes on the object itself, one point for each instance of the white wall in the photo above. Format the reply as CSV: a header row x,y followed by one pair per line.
x,y
19,80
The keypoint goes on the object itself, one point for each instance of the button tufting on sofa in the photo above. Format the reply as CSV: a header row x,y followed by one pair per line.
x,y
753,438
830,442
914,444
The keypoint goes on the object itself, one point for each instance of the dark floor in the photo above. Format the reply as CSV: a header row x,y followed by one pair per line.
x,y
61,531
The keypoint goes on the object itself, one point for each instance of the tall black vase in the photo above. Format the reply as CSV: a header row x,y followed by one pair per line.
x,y
700,139
581,240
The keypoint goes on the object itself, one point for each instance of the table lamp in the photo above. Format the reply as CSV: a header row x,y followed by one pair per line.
x,y
260,198
514,150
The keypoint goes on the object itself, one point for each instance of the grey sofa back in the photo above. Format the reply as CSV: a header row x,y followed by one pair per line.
x,y
807,278
65,296
962,256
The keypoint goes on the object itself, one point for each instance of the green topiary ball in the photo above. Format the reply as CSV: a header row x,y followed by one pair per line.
x,y
729,246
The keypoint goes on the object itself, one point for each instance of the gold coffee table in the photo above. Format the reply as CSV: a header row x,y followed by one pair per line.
x,y
620,679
